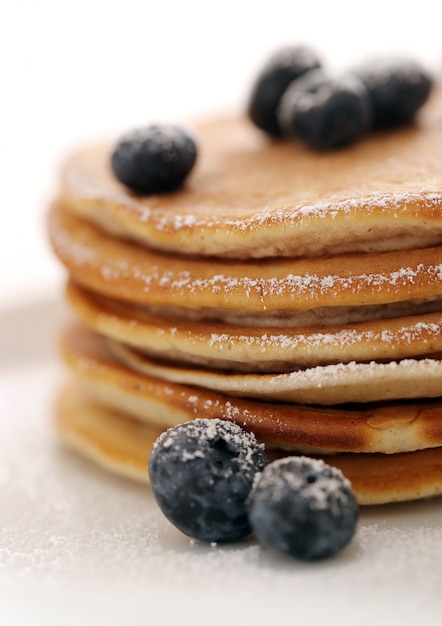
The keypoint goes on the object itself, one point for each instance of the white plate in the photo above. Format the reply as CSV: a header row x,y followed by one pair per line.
x,y
79,546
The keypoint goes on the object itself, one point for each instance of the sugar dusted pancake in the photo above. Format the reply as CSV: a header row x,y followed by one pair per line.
x,y
338,289
296,293
255,348
389,427
251,198
122,444
327,384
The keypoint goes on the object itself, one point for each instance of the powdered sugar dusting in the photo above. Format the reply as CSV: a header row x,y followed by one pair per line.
x,y
322,486
189,440
322,375
393,203
312,286
345,338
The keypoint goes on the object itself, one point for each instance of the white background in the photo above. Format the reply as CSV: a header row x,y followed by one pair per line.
x,y
70,71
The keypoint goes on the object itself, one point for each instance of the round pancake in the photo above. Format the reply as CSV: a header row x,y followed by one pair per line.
x,y
243,348
122,444
251,197
117,444
388,427
339,289
326,384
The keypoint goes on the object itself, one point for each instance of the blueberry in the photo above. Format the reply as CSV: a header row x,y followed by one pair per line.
x,y
285,66
324,112
303,507
154,159
201,474
397,89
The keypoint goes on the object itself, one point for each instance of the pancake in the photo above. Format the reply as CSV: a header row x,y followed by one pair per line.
x,y
388,427
296,293
249,197
327,384
122,444
338,289
255,349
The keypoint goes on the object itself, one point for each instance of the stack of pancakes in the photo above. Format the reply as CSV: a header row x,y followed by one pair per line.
x,y
296,293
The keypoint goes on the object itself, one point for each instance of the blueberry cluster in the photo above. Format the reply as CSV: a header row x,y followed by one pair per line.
x,y
213,481
294,97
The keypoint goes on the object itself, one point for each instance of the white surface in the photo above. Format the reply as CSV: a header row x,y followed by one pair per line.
x,y
79,546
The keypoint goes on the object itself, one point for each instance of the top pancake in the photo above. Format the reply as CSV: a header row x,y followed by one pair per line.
x,y
249,197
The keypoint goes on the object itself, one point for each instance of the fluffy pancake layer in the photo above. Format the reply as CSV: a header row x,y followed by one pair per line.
x,y
122,444
336,289
387,427
326,384
254,349
249,197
